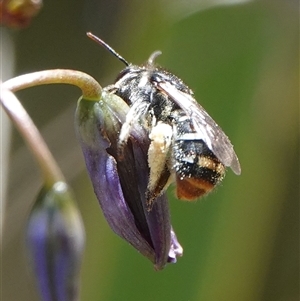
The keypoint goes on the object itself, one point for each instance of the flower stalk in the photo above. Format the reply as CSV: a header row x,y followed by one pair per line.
x,y
50,171
90,88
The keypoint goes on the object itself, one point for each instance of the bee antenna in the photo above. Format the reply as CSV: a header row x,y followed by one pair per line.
x,y
111,50
153,56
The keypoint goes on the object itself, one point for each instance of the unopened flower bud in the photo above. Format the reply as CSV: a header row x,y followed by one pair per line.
x,y
55,237
120,181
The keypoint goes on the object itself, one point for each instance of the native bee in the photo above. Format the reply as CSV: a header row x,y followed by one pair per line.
x,y
187,146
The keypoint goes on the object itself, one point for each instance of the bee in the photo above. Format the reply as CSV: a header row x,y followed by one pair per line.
x,y
187,146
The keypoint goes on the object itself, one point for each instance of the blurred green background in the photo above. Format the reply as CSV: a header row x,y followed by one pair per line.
x,y
241,242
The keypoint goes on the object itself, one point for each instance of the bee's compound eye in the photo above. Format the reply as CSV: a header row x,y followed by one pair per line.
x,y
128,73
123,73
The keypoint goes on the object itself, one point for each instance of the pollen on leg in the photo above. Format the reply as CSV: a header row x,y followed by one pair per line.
x,y
161,139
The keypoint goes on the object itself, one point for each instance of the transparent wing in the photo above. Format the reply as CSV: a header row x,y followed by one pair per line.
x,y
205,126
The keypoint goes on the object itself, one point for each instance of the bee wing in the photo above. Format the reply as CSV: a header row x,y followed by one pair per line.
x,y
205,126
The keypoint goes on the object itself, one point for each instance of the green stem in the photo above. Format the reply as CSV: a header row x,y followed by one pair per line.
x,y
50,170
90,88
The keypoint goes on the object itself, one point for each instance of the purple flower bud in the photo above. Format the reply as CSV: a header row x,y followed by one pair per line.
x,y
55,236
120,182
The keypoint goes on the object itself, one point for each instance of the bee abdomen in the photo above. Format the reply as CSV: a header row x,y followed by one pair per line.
x,y
197,169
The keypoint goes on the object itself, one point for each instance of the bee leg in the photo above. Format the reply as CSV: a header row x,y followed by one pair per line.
x,y
136,111
161,137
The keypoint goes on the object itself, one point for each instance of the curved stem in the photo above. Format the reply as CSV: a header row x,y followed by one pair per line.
x,y
50,170
90,88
